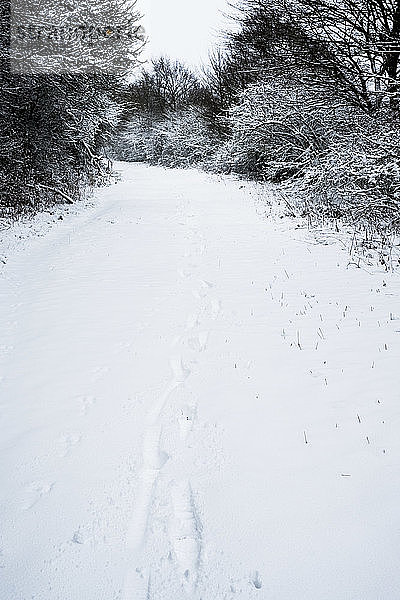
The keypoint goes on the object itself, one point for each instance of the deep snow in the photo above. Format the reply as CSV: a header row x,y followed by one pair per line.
x,y
196,402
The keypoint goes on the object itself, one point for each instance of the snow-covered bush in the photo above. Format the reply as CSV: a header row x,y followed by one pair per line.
x,y
184,138
276,131
134,143
54,135
336,160
358,179
177,139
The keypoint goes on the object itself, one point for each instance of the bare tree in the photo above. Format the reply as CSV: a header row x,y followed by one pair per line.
x,y
349,48
364,35
175,83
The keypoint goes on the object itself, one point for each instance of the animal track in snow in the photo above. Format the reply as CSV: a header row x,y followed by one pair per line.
x,y
34,492
185,534
67,442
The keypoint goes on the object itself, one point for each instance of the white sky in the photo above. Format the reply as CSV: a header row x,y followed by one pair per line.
x,y
184,29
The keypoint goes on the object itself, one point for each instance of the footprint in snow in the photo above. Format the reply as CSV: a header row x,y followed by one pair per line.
x,y
256,580
86,402
181,372
81,536
34,492
185,535
199,342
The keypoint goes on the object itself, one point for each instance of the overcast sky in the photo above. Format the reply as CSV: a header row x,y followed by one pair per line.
x,y
184,29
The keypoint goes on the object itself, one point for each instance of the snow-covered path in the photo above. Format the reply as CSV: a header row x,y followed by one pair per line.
x,y
196,403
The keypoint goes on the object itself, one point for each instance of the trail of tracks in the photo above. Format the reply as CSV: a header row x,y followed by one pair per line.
x,y
183,525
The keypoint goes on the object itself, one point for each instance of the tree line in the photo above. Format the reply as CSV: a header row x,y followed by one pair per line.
x,y
62,69
305,93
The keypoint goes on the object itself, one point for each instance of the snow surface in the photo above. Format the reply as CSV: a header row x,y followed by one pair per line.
x,y
196,402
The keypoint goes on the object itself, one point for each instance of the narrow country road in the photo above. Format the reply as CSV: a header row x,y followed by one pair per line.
x,y
197,402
